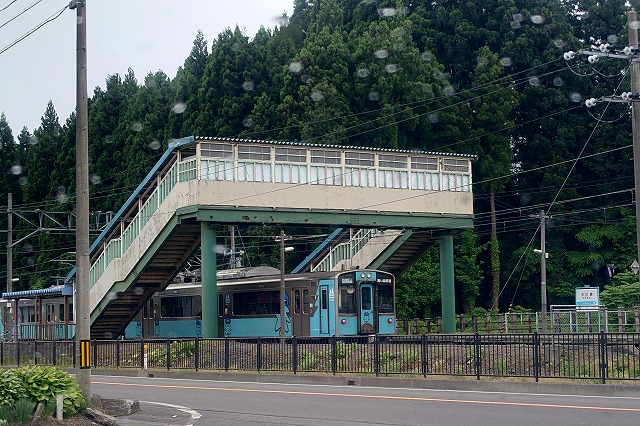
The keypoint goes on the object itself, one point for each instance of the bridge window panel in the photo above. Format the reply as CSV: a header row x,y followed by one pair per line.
x,y
325,175
180,306
456,183
254,172
290,173
421,162
346,299
291,155
216,150
385,299
393,179
392,161
325,156
254,152
216,170
356,176
362,159
455,165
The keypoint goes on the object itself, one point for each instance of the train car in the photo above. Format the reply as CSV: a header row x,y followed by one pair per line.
x,y
344,303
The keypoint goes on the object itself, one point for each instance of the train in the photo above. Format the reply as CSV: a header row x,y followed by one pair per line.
x,y
357,302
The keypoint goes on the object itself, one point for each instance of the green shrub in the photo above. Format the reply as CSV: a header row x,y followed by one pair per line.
x,y
23,409
307,361
5,412
44,383
11,387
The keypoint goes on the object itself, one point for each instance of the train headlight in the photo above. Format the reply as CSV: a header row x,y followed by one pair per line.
x,y
390,320
344,321
369,275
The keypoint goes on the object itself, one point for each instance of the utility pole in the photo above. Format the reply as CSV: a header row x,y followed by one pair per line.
x,y
282,292
9,243
83,320
632,25
543,268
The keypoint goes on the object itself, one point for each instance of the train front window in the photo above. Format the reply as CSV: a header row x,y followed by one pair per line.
x,y
180,306
366,298
347,299
385,299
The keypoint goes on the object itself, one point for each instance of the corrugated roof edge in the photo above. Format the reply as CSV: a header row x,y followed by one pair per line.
x,y
314,145
173,145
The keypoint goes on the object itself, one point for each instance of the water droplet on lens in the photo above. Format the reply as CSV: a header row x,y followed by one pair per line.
x,y
108,139
612,38
295,67
27,248
247,122
391,68
155,145
248,85
16,169
22,181
387,12
433,117
518,17
305,77
575,97
362,73
448,91
179,107
506,61
438,75
150,83
31,262
635,25
136,127
482,61
534,81
220,249
427,56
537,19
95,179
316,96
559,43
381,53
33,140
374,96
558,81
62,198
515,25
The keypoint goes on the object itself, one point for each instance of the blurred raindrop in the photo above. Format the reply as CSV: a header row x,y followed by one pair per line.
x,y
16,169
33,140
62,198
27,248
22,181
151,83
305,77
248,85
362,73
30,261
391,68
108,139
534,80
506,61
95,179
61,190
295,67
236,47
612,38
433,117
136,127
635,25
387,12
560,43
518,17
381,53
557,81
438,75
537,19
515,24
179,107
575,97
138,291
220,249
247,122
398,47
448,91
316,96
482,61
155,145
374,96
427,56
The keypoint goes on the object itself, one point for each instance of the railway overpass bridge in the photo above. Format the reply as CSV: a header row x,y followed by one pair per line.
x,y
202,182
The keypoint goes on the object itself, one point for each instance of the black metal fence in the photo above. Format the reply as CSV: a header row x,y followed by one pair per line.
x,y
590,356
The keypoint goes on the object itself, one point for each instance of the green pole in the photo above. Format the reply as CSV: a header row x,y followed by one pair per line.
x,y
208,277
447,289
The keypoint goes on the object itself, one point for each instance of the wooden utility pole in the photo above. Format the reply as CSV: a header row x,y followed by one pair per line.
x,y
632,25
81,286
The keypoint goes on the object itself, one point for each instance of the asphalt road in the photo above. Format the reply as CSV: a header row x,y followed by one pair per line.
x,y
166,401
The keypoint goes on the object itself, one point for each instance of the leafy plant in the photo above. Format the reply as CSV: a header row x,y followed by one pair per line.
x,y
23,409
5,413
11,388
44,383
307,361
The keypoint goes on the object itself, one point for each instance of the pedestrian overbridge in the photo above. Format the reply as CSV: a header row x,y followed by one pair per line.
x,y
201,181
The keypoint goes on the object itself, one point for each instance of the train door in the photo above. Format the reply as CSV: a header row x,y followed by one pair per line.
x,y
300,312
324,309
367,315
148,317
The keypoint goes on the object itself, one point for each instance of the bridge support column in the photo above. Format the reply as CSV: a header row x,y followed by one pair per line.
x,y
447,288
209,284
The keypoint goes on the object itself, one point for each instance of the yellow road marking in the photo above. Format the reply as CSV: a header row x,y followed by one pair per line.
x,y
403,398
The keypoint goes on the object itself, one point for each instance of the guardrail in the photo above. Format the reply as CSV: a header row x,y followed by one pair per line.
x,y
596,356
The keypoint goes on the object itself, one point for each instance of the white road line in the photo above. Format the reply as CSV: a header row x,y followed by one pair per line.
x,y
193,413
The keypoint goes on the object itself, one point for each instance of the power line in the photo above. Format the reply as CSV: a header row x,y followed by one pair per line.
x,y
19,14
51,18
4,8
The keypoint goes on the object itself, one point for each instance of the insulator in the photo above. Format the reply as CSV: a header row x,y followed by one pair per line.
x,y
628,50
593,59
590,102
605,47
569,55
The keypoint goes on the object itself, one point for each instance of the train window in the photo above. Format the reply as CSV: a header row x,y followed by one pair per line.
x,y
305,300
366,298
323,300
256,303
180,306
385,299
346,299
296,301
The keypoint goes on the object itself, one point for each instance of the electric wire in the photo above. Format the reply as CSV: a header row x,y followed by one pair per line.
x,y
50,19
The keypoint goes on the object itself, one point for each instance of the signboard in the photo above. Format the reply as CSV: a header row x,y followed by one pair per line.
x,y
587,298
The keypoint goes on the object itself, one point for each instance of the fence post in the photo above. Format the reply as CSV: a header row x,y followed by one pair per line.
x,y
487,323
35,351
427,325
637,320
602,348
405,326
439,326
294,354
376,356
54,352
463,323
621,322
95,353
259,354
168,354
118,353
1,353
196,355
537,362
73,344
334,355
474,323
226,353
424,355
477,357
416,326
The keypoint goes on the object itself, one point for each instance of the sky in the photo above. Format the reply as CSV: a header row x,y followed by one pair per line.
x,y
145,35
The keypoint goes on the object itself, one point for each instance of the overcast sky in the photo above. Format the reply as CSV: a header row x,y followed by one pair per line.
x,y
145,35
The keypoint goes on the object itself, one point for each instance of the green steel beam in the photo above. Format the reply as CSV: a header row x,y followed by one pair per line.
x,y
391,249
447,288
209,285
